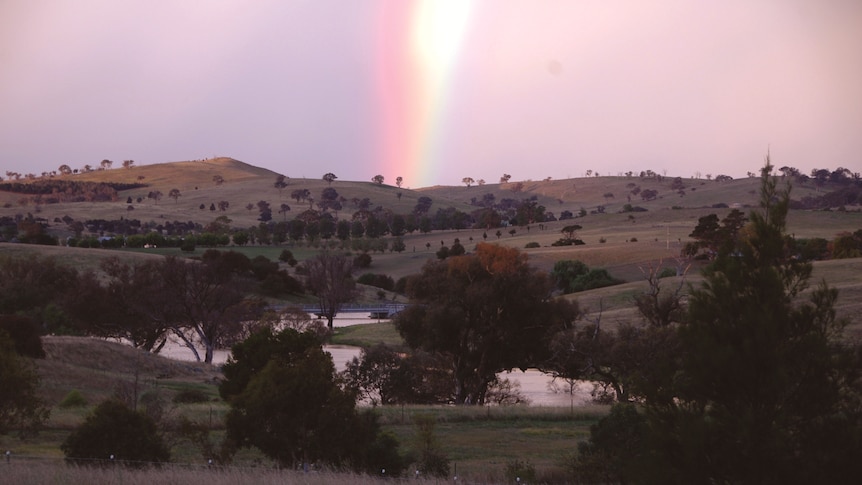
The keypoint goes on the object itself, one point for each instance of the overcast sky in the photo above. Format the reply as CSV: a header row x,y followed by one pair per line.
x,y
433,91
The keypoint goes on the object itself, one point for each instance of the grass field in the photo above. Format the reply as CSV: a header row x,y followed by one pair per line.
x,y
479,441
482,441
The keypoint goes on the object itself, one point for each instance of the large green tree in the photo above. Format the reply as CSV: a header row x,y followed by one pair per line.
x,y
484,312
763,388
20,406
113,432
286,400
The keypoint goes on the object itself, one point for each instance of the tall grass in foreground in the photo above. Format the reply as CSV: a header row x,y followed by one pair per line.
x,y
57,472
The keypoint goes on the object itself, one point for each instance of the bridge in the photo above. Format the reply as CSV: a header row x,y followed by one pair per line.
x,y
382,310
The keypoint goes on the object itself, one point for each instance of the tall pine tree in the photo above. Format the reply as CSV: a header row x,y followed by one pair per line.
x,y
766,390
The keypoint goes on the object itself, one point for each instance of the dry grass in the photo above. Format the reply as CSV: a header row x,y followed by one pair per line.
x,y
96,368
47,472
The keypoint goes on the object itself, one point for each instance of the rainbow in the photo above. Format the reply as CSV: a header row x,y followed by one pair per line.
x,y
417,50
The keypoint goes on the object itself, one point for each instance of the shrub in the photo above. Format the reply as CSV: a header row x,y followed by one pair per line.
x,y
381,281
74,399
634,239
116,432
362,260
24,332
518,471
666,273
532,244
190,396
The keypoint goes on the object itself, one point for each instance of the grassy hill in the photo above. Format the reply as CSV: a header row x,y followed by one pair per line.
x,y
623,243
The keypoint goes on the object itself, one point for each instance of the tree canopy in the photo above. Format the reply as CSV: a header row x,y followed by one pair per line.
x,y
759,385
484,312
286,400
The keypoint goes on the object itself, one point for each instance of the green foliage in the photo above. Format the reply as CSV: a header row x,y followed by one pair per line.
x,y
765,389
190,396
362,260
73,399
286,256
20,406
520,471
615,449
382,375
431,459
286,401
29,284
571,276
115,432
667,273
24,332
377,280
487,311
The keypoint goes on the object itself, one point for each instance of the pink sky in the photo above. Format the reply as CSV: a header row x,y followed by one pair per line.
x,y
534,89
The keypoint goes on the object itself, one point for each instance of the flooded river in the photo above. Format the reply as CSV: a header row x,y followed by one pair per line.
x,y
534,385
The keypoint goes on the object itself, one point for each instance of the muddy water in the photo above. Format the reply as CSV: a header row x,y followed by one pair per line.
x,y
534,385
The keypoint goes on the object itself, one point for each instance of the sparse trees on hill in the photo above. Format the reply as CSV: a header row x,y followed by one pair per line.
x,y
265,211
65,169
218,179
106,164
175,194
398,181
300,195
128,163
377,179
280,184
468,181
329,177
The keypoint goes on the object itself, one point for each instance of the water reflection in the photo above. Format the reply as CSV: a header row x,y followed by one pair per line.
x,y
534,385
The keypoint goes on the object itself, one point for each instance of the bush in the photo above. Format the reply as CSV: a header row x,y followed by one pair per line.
x,y
568,242
115,432
614,449
24,332
667,273
74,399
362,261
518,471
381,281
190,396
532,244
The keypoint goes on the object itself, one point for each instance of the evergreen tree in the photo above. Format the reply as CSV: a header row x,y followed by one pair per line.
x,y
766,390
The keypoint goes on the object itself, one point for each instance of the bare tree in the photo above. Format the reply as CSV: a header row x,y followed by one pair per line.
x,y
330,279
